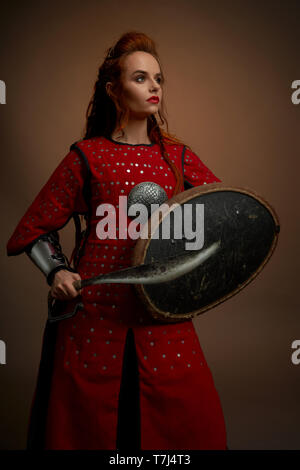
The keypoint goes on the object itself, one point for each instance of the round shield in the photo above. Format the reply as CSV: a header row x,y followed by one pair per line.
x,y
236,230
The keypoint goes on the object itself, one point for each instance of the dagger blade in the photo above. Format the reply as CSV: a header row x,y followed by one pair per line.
x,y
156,272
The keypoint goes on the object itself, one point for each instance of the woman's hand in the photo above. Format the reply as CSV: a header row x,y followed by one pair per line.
x,y
62,286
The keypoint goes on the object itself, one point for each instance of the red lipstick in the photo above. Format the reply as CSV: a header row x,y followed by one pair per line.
x,y
154,99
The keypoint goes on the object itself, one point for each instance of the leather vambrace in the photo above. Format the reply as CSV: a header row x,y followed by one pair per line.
x,y
47,255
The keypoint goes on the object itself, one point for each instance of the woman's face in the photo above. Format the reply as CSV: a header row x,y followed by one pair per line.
x,y
141,79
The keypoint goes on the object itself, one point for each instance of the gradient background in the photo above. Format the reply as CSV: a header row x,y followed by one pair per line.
x,y
229,67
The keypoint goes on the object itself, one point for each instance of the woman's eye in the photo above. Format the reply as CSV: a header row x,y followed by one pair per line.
x,y
141,79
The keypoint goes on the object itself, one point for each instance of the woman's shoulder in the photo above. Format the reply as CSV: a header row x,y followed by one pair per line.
x,y
178,147
91,142
87,148
174,143
190,158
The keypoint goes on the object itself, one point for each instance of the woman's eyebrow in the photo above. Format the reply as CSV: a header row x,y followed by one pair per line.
x,y
143,71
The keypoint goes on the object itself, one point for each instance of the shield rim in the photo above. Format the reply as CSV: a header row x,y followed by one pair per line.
x,y
141,247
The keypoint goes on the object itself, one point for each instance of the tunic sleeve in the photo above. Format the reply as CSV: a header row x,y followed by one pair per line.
x,y
195,172
55,204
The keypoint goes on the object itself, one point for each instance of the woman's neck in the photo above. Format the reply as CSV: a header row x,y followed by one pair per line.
x,y
135,133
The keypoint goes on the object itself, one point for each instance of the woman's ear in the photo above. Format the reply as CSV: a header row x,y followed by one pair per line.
x,y
108,88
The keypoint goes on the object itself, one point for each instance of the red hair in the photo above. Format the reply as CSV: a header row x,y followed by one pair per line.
x,y
106,112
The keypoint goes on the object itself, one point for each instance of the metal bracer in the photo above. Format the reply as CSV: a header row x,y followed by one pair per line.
x,y
47,255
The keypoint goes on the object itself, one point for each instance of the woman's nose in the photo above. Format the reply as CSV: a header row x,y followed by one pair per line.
x,y
154,86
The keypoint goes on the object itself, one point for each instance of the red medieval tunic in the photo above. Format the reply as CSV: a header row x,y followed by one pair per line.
x,y
85,367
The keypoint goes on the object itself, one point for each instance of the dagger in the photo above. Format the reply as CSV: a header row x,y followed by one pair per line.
x,y
151,273
155,272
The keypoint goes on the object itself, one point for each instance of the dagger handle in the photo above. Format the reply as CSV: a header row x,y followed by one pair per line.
x,y
77,285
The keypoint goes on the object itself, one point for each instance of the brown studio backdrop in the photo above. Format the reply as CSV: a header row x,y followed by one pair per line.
x,y
229,68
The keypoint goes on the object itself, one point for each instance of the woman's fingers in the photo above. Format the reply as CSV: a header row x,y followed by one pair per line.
x,y
77,278
62,287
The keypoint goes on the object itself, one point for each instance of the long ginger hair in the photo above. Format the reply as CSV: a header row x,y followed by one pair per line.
x,y
107,112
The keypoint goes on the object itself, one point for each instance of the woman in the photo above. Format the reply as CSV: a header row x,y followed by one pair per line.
x,y
111,377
